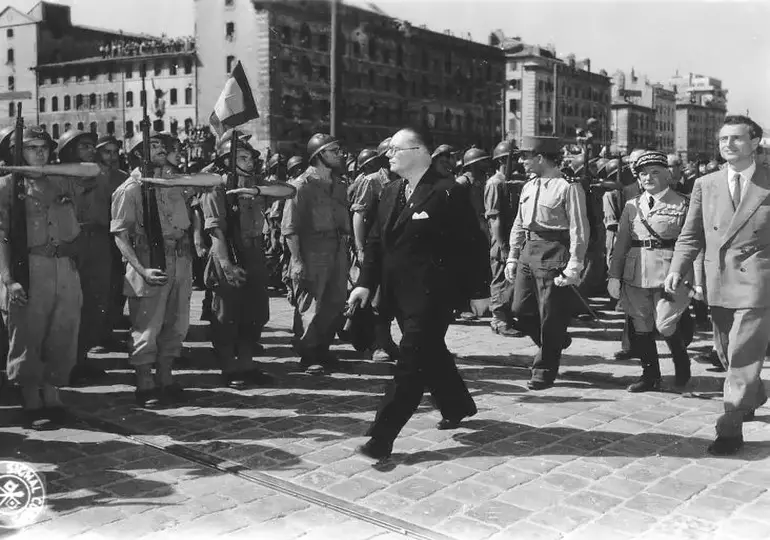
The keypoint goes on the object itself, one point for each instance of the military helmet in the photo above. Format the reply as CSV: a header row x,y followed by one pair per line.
x,y
503,149
443,150
318,143
72,136
367,155
383,147
224,148
474,155
350,165
275,160
5,136
34,133
104,140
601,165
293,163
611,167
138,145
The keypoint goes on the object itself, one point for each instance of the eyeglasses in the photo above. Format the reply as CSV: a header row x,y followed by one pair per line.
x,y
393,150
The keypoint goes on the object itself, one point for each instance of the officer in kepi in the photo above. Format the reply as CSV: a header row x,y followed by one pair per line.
x,y
648,229
548,244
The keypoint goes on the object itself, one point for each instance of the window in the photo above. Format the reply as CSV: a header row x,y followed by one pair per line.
x,y
67,127
286,35
386,56
230,31
323,42
92,73
173,96
230,63
305,68
94,127
54,104
286,66
372,49
92,101
55,131
305,38
79,101
9,33
129,99
111,100
188,66
44,127
513,105
80,126
372,79
11,83
173,67
356,48
399,56
158,125
142,98
323,73
229,3
174,127
157,68
41,105
11,109
129,72
67,103
188,96
10,56
129,128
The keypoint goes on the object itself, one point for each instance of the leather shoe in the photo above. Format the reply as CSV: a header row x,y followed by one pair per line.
x,y
147,399
644,385
539,385
375,450
725,446
567,342
449,423
235,381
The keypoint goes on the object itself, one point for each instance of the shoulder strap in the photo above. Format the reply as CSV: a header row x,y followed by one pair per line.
x,y
645,222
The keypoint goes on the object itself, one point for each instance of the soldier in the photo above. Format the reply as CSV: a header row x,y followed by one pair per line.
x,y
476,164
43,319
548,244
647,233
294,167
443,163
92,206
236,270
276,172
500,217
158,301
316,226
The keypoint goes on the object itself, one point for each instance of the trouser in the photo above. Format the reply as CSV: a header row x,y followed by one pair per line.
x,y
240,313
321,295
117,301
500,289
542,309
651,309
43,335
424,363
159,323
95,269
741,337
382,324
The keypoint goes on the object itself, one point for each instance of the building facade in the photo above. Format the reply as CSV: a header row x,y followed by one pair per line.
x,y
391,74
547,96
633,126
701,106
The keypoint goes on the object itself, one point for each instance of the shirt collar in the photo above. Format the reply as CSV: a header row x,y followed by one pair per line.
x,y
659,196
414,176
746,174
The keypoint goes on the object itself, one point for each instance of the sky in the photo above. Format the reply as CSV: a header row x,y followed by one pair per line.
x,y
728,40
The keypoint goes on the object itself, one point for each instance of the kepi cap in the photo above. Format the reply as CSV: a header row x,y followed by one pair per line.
x,y
651,157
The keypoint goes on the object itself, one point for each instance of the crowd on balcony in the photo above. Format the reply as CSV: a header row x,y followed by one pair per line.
x,y
164,44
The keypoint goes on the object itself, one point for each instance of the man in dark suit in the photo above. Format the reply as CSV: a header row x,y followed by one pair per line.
x,y
730,217
426,251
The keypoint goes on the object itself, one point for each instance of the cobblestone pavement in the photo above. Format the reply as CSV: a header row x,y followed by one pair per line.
x,y
583,460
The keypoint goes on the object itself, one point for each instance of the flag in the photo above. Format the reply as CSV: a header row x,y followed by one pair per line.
x,y
235,105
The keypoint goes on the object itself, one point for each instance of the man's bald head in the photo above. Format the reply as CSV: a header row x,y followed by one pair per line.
x,y
408,152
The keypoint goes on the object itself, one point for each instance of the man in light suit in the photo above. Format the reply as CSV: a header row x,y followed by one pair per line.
x,y
730,217
426,251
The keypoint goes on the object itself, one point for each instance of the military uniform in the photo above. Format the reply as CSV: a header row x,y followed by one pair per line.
x,y
496,206
239,313
476,193
318,216
160,315
548,240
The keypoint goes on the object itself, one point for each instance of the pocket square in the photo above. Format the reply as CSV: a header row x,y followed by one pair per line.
x,y
421,215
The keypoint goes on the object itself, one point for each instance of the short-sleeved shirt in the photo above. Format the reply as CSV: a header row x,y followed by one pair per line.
x,y
250,210
318,207
94,197
49,206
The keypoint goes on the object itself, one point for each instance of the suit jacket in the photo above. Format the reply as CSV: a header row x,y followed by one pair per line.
x,y
736,242
641,266
431,255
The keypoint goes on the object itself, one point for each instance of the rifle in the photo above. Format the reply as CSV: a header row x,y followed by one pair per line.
x,y
232,217
18,225
152,227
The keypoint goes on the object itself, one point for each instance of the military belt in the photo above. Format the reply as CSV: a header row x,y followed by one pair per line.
x,y
55,251
654,244
548,236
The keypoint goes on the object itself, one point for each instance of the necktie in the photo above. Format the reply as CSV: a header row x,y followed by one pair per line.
x,y
736,193
401,204
651,201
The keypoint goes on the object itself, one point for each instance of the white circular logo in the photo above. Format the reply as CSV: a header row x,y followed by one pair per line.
x,y
22,495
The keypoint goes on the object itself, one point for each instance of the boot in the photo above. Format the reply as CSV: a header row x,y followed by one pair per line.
x,y
686,328
676,343
644,345
170,391
145,394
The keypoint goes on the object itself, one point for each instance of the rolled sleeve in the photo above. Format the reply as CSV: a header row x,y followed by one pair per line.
x,y
125,208
212,204
578,227
291,221
363,196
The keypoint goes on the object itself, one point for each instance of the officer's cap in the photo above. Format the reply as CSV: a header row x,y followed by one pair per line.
x,y
541,145
651,157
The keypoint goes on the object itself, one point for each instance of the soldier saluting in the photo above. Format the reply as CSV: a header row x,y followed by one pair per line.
x,y
548,244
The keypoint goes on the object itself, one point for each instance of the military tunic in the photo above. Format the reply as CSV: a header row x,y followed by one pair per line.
x,y
642,260
160,315
43,335
496,206
318,216
549,235
240,313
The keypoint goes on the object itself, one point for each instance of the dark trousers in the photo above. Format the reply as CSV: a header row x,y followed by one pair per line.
x,y
500,289
543,309
425,362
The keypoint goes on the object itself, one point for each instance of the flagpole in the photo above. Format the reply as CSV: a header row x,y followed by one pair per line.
x,y
334,68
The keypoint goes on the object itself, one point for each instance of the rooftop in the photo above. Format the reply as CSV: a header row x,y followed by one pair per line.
x,y
115,59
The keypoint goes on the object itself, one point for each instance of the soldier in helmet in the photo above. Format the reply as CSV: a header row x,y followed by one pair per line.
x,y
443,162
5,139
500,216
276,172
236,270
43,315
92,205
475,169
316,227
294,167
158,300
548,244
